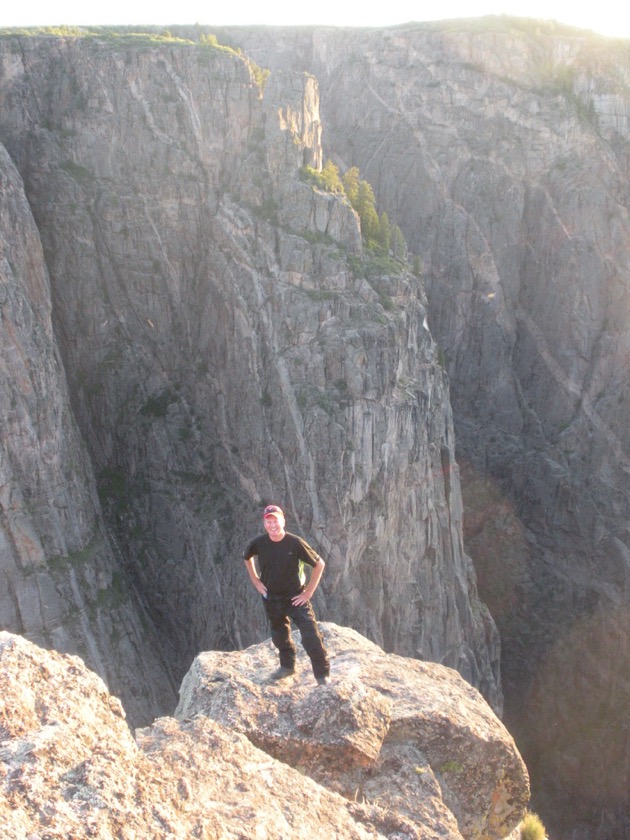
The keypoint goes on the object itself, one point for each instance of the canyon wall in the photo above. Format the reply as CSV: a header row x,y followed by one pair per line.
x,y
63,584
227,343
501,149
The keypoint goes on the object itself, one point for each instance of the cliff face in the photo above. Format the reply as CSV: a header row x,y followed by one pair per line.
x,y
62,583
223,350
502,150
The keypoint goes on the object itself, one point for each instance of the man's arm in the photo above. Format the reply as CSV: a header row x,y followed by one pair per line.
x,y
259,586
316,572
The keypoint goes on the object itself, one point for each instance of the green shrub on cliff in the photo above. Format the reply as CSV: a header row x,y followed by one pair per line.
x,y
532,828
379,235
327,180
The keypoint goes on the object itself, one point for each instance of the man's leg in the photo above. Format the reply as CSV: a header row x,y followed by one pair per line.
x,y
312,641
281,634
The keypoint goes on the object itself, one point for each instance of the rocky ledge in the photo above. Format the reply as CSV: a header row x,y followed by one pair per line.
x,y
390,748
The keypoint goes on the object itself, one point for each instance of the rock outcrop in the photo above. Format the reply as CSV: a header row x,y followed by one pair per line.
x,y
391,748
410,735
226,343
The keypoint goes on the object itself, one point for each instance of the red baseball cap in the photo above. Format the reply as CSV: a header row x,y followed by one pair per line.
x,y
273,510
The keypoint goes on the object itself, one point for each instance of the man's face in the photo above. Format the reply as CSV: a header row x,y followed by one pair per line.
x,y
274,526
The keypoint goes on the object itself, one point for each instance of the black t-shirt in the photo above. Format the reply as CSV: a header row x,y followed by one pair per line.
x,y
279,562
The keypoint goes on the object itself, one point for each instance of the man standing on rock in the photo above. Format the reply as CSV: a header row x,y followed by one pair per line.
x,y
281,582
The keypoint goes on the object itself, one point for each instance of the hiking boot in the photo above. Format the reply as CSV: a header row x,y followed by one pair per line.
x,y
282,673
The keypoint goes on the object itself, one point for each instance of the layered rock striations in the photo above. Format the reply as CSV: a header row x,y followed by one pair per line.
x,y
391,748
62,582
501,148
226,343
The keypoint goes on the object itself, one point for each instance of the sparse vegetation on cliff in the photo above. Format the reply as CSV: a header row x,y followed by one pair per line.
x,y
143,37
379,235
129,35
327,179
532,828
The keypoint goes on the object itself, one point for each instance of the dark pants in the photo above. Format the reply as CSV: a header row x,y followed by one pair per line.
x,y
280,612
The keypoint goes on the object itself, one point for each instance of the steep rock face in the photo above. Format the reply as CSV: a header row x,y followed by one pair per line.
x,y
501,148
69,767
223,351
62,584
